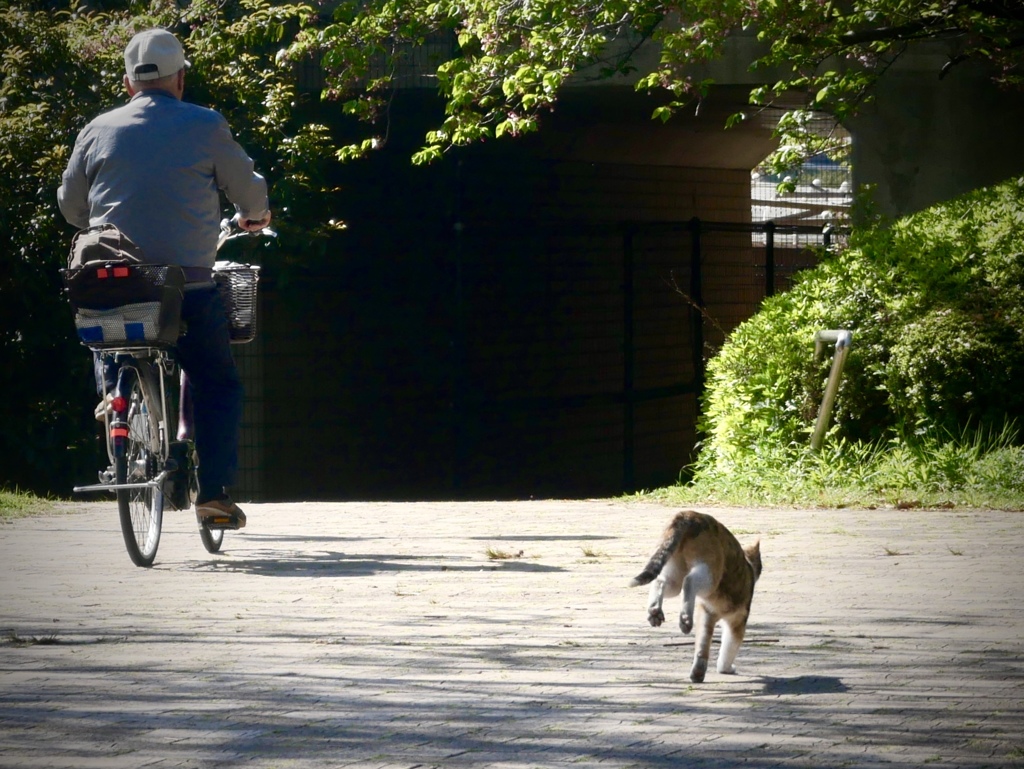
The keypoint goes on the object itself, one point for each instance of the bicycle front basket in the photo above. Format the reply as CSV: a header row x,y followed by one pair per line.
x,y
237,286
118,304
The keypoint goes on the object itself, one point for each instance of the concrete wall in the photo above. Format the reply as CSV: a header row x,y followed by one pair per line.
x,y
924,139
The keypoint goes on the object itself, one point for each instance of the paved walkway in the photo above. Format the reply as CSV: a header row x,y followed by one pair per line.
x,y
383,635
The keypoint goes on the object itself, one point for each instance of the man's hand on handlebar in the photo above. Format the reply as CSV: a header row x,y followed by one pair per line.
x,y
239,227
253,225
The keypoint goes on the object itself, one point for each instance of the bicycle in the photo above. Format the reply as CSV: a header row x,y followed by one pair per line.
x,y
147,415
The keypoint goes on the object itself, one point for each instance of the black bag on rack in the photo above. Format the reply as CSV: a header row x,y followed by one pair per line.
x,y
117,298
101,243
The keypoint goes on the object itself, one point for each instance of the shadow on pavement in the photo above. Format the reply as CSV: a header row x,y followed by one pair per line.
x,y
803,685
335,564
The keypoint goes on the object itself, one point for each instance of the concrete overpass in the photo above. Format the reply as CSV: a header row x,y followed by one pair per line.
x,y
921,140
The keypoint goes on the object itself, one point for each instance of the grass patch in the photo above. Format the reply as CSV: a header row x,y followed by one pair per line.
x,y
965,471
497,554
19,504
13,639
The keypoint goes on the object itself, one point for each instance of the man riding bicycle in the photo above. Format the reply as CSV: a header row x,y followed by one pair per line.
x,y
155,168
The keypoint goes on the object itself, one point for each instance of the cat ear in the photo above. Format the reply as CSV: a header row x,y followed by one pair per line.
x,y
753,553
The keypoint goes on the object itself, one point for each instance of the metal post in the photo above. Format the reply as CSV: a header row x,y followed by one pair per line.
x,y
628,362
842,341
697,295
459,413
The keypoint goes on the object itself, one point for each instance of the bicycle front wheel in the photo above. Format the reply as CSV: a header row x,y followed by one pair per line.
x,y
141,509
212,538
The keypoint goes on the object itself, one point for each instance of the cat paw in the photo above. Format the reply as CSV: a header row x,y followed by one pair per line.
x,y
655,617
685,623
699,669
729,671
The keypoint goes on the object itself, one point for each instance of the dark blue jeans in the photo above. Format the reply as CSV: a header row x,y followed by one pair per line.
x,y
204,352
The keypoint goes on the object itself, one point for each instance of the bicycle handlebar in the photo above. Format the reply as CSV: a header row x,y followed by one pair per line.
x,y
230,230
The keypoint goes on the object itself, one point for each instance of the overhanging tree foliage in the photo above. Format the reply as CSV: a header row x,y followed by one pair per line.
x,y
514,57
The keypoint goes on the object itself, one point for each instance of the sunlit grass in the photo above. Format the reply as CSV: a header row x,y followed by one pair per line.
x,y
18,504
497,554
967,471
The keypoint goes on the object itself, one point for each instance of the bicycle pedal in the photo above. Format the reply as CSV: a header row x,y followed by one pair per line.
x,y
107,476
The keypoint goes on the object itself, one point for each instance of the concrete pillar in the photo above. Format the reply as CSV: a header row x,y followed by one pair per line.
x,y
924,139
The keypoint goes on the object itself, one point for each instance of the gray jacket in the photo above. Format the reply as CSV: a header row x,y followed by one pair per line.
x,y
154,168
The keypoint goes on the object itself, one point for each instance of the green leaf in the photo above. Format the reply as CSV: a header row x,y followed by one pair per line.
x,y
427,155
735,119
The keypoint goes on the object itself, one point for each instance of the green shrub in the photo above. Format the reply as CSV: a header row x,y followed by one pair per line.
x,y
951,368
936,307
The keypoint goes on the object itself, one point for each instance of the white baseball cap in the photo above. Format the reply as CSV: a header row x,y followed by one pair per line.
x,y
153,54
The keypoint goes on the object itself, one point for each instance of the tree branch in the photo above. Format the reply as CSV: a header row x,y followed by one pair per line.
x,y
912,31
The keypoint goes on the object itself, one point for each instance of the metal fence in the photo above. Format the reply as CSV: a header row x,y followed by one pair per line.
x,y
583,356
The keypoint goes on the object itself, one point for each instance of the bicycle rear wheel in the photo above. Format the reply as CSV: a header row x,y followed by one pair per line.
x,y
141,510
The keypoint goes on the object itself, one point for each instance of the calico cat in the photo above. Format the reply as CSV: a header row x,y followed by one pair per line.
x,y
701,558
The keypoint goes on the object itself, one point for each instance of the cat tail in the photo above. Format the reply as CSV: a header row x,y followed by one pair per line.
x,y
668,546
